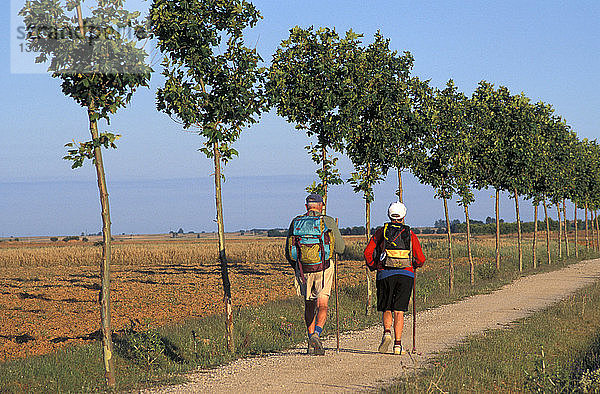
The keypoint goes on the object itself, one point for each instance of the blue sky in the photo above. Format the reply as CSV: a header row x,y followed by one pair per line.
x,y
550,50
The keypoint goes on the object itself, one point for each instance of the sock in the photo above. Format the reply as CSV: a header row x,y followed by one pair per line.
x,y
387,331
397,343
318,330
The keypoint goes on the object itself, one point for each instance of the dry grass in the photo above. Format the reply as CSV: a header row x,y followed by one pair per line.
x,y
201,252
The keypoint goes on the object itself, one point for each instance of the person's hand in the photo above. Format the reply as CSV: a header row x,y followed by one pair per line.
x,y
416,264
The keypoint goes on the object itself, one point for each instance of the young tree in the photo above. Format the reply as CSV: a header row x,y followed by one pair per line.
x,y
307,85
454,109
541,168
488,117
519,154
441,147
213,84
100,68
376,95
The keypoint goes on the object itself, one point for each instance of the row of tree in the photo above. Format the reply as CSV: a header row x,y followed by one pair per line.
x,y
354,99
361,100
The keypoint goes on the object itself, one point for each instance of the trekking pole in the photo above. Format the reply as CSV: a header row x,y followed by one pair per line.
x,y
414,349
337,314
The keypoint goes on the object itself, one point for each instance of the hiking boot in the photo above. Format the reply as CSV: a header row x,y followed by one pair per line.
x,y
315,342
399,350
386,340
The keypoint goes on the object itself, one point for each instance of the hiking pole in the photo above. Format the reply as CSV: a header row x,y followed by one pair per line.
x,y
337,314
414,349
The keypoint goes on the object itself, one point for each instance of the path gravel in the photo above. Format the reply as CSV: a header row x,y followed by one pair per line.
x,y
351,369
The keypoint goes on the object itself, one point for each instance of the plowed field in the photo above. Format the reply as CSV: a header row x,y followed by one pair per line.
x,y
49,292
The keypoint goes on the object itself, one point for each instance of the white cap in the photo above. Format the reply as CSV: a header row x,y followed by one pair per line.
x,y
396,210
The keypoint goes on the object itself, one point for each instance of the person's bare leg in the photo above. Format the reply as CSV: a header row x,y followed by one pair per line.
x,y
321,312
316,324
386,339
387,320
398,324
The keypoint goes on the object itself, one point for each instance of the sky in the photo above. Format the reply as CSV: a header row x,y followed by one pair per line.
x,y
550,50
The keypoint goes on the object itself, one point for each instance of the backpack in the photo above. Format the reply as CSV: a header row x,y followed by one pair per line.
x,y
311,245
395,249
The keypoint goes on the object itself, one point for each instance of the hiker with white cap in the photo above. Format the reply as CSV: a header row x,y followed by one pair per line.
x,y
311,241
394,251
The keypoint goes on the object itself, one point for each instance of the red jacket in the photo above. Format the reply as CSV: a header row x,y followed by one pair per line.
x,y
418,256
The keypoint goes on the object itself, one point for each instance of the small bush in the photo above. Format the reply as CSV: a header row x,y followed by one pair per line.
x,y
54,239
142,345
71,238
486,271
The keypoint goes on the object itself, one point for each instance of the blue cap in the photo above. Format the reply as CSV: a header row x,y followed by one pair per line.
x,y
314,198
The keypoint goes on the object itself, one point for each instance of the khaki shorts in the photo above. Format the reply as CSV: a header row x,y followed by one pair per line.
x,y
318,284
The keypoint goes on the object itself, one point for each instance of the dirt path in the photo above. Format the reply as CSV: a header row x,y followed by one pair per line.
x,y
352,368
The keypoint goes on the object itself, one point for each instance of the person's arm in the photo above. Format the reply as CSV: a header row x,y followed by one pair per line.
x,y
339,244
418,256
369,252
287,246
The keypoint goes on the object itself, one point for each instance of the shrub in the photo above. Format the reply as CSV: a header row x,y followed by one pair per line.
x,y
71,238
54,239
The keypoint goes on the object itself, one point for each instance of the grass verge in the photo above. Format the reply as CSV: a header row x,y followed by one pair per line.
x,y
148,356
556,350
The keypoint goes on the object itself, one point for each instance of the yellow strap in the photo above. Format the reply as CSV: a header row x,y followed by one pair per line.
x,y
398,254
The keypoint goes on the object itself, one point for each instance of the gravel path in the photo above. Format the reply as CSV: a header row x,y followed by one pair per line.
x,y
351,369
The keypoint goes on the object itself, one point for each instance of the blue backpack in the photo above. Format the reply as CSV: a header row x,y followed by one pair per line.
x,y
311,245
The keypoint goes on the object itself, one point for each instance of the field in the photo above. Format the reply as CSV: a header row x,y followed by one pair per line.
x,y
49,290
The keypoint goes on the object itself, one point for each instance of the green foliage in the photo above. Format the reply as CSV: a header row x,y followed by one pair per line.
x,y
99,70
213,82
328,173
543,381
141,344
447,164
85,150
376,113
307,84
99,65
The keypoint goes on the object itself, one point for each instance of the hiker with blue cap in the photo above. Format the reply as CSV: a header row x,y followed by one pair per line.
x,y
311,241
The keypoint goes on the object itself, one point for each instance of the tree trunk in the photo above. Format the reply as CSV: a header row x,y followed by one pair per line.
x,y
400,192
593,238
450,256
535,231
587,237
497,230
222,256
547,231
595,220
597,231
576,225
107,345
559,231
471,265
519,231
367,271
323,158
566,222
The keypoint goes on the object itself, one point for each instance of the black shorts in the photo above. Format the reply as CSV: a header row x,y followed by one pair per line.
x,y
393,293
